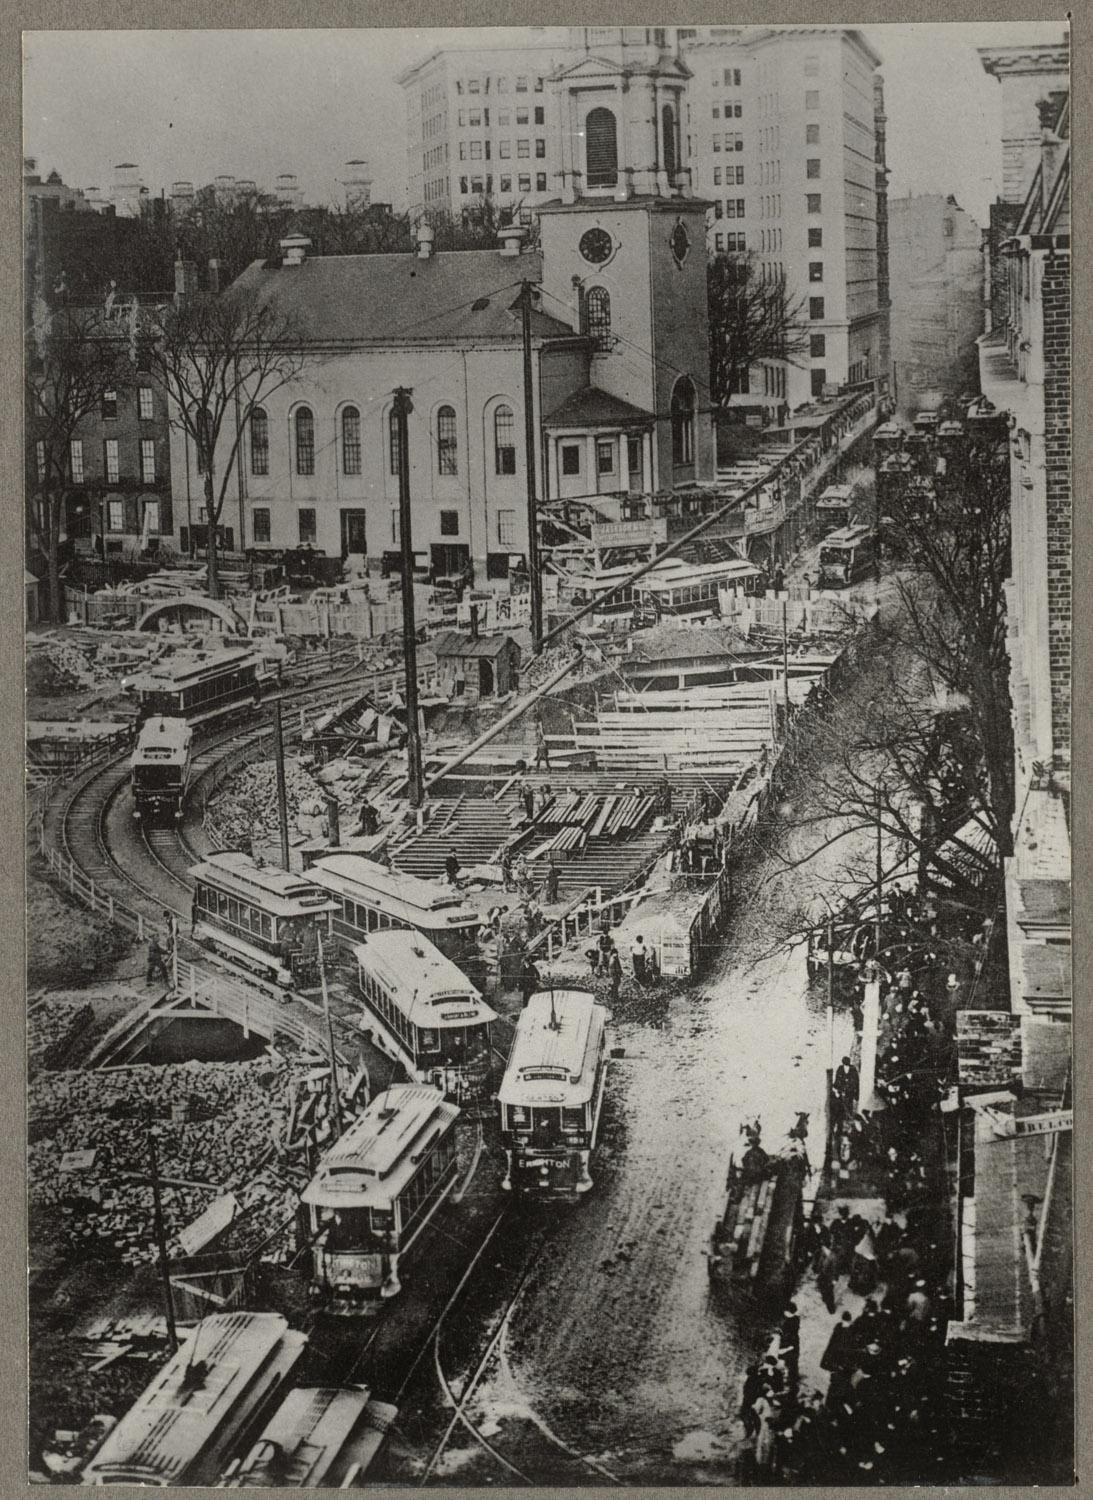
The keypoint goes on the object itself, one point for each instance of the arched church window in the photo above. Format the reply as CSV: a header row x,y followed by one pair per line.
x,y
601,148
668,132
683,421
597,316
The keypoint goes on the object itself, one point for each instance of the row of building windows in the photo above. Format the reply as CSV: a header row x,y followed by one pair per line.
x,y
111,461
769,240
728,111
475,186
500,85
349,439
733,208
473,119
480,150
307,526
728,78
730,243
733,141
146,404
733,175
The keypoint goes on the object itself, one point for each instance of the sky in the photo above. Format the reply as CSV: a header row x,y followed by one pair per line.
x,y
193,104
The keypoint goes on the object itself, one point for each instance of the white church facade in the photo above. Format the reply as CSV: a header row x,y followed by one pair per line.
x,y
619,342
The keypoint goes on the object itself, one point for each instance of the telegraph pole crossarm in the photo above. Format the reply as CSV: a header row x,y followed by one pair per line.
x,y
402,408
531,448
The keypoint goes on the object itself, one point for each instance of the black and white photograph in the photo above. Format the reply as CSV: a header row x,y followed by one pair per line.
x,y
547,590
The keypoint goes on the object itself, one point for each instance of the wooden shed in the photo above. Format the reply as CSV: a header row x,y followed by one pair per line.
x,y
473,667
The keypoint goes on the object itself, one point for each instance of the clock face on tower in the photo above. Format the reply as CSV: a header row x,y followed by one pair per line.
x,y
596,245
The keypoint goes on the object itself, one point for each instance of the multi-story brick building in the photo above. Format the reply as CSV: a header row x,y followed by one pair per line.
x,y
1013,1346
937,299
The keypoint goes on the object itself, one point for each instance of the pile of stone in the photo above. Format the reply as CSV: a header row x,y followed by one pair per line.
x,y
244,810
216,1127
53,1026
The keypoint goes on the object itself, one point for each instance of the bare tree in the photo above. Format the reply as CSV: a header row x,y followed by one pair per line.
x,y
955,539
752,318
218,358
71,359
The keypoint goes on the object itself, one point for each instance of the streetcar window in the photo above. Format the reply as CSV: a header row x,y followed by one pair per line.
x,y
266,926
429,1040
383,1220
518,1117
572,1119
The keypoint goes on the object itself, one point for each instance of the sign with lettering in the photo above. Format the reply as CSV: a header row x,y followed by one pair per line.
x,y
629,533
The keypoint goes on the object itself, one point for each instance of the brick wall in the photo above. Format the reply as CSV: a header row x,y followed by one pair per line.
x,y
1055,295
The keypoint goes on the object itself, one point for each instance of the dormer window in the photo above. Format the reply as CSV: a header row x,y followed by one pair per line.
x,y
601,148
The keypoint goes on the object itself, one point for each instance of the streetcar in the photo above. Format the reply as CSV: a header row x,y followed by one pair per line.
x,y
187,1425
198,685
160,768
264,918
552,1093
608,614
847,555
374,1192
833,506
423,1012
691,590
371,898
887,439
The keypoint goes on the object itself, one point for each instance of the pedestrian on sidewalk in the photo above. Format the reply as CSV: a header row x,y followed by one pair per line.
x,y
749,1396
789,1344
845,1088
157,966
825,1277
614,971
639,958
839,1359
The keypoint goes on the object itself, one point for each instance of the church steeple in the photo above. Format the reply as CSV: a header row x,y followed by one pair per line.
x,y
620,104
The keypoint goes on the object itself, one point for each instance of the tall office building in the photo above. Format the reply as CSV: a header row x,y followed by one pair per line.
x,y
785,134
480,124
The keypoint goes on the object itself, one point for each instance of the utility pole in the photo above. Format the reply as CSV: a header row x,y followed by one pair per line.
x,y
282,795
879,882
785,662
335,1098
532,449
402,409
161,1247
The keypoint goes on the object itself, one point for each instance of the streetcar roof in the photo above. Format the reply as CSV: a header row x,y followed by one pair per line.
x,y
218,1374
888,430
376,1157
673,572
162,741
187,667
555,1049
277,891
316,1426
848,536
355,876
428,988
836,495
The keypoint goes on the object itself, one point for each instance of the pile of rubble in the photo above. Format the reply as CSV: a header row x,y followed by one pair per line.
x,y
217,1126
57,666
53,1026
244,810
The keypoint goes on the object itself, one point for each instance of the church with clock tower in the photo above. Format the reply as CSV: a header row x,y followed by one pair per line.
x,y
624,256
619,394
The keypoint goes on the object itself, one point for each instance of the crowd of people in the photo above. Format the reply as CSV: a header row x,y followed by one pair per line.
x,y
881,1417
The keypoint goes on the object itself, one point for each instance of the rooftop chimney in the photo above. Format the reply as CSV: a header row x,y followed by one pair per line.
x,y
294,249
511,237
425,237
214,276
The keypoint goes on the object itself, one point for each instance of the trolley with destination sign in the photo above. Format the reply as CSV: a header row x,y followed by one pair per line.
x,y
690,590
199,685
552,1094
374,899
160,766
374,1192
422,1011
262,917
